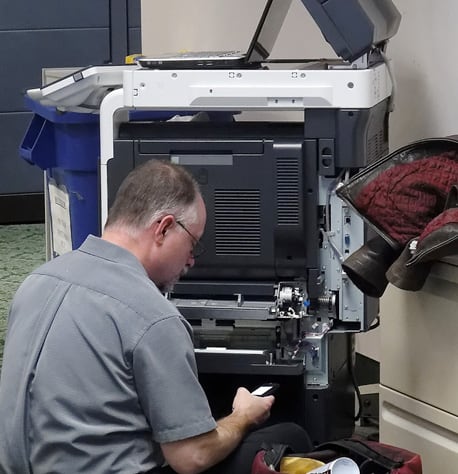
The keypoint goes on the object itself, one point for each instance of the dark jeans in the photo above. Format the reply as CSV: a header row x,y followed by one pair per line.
x,y
239,461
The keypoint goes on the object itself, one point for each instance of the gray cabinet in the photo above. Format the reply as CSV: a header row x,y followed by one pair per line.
x,y
50,34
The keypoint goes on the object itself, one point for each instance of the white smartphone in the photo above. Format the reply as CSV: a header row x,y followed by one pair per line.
x,y
266,389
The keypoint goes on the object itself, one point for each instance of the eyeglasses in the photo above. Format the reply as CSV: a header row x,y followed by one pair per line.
x,y
197,248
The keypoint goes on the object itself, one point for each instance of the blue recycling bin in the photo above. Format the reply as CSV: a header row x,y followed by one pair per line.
x,y
66,145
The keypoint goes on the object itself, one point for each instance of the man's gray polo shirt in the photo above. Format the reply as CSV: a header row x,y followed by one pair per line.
x,y
98,369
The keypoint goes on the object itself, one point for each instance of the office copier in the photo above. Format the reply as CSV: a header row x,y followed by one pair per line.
x,y
268,300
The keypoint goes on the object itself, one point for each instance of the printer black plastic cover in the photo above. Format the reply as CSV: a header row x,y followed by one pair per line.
x,y
354,27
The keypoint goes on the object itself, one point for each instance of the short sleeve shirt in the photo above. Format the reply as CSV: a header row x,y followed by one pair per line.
x,y
98,369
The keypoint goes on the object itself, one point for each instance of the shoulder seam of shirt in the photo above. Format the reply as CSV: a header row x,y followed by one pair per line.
x,y
153,323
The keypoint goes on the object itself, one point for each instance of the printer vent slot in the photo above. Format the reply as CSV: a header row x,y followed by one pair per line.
x,y
238,222
377,147
288,184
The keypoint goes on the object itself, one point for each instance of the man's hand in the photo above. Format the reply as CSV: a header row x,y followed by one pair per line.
x,y
194,455
255,409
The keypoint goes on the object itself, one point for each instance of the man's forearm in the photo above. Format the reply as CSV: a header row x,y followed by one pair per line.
x,y
204,451
230,432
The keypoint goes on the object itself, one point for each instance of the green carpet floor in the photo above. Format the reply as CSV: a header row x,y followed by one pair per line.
x,y
22,248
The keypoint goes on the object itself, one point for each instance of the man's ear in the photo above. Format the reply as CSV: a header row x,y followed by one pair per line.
x,y
161,227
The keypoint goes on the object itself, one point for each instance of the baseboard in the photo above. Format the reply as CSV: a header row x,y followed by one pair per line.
x,y
27,208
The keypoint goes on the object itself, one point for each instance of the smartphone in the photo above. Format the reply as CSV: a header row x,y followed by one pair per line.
x,y
266,389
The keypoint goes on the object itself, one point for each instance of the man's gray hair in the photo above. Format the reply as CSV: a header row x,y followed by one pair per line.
x,y
151,191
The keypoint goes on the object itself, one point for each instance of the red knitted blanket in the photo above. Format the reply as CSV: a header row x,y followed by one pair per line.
x,y
402,200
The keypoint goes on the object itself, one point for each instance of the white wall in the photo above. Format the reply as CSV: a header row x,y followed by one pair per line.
x,y
423,54
174,25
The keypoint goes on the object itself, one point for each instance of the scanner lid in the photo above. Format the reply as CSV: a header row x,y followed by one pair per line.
x,y
355,27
